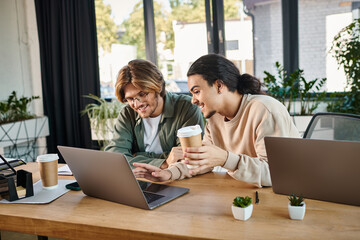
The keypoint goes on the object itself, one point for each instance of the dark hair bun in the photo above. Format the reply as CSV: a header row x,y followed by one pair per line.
x,y
249,84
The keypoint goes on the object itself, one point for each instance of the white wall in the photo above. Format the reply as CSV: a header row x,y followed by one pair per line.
x,y
19,51
111,62
336,79
242,32
191,43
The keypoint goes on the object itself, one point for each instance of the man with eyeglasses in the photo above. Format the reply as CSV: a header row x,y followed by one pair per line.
x,y
146,127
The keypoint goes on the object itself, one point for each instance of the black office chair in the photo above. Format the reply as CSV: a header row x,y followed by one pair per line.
x,y
334,126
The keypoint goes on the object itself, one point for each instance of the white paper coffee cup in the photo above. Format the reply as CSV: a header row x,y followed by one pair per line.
x,y
190,136
189,131
48,164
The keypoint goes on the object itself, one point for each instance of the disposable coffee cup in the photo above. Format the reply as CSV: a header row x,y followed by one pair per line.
x,y
190,137
48,164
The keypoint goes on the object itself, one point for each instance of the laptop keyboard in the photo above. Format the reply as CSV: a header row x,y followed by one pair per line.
x,y
150,197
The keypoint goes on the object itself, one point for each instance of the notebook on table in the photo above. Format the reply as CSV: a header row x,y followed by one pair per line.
x,y
108,176
318,169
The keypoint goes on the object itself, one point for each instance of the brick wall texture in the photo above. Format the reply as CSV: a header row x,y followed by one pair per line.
x,y
312,35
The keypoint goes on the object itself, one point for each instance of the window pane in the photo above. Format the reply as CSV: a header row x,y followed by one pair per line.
x,y
319,22
238,35
180,37
268,47
121,38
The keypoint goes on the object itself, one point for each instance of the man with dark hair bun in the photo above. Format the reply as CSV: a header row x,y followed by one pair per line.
x,y
239,116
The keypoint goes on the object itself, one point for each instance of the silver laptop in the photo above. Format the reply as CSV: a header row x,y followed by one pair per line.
x,y
108,176
319,169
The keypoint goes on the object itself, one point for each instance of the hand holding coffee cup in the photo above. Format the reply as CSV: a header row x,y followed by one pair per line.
x,y
190,137
48,164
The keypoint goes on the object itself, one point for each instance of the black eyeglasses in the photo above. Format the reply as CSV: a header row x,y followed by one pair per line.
x,y
141,97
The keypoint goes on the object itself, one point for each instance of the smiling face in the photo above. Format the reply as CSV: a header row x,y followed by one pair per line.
x,y
203,95
146,104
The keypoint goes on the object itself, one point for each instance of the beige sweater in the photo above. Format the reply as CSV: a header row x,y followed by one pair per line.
x,y
243,138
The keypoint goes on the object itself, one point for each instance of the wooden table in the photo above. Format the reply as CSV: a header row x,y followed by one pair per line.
x,y
203,213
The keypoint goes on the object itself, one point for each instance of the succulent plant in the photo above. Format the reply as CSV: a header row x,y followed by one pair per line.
x,y
296,200
242,202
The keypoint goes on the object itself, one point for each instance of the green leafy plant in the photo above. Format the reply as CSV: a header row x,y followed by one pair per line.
x,y
102,115
278,87
296,200
288,88
346,50
242,202
16,109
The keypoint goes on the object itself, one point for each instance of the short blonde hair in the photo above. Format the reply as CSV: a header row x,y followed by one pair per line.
x,y
143,75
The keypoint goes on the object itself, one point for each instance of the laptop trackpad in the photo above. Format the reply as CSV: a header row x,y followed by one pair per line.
x,y
150,197
156,191
152,191
161,193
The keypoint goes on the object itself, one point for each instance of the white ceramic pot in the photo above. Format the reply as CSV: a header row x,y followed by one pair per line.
x,y
242,213
297,212
104,131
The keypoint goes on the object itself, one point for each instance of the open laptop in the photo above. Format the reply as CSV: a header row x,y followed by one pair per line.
x,y
108,176
319,169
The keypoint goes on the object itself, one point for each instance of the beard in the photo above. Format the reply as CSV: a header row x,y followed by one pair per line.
x,y
156,101
212,113
153,105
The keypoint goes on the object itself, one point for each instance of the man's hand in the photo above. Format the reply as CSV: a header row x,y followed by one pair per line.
x,y
175,155
206,157
151,172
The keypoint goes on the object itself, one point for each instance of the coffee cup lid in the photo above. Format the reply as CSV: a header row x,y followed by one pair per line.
x,y
189,131
47,157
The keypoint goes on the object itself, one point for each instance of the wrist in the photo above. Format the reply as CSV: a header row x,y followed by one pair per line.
x,y
232,161
164,165
225,157
169,174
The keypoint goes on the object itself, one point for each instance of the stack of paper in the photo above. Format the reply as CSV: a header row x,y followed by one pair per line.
x,y
64,171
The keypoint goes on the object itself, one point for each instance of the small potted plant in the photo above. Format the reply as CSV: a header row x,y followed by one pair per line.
x,y
242,208
19,128
102,116
296,207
